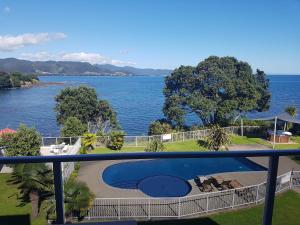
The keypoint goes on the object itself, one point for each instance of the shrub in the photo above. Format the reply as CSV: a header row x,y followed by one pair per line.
x,y
26,142
82,150
89,141
155,146
159,127
217,138
116,140
73,127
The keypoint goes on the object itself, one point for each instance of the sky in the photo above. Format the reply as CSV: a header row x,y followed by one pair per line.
x,y
154,33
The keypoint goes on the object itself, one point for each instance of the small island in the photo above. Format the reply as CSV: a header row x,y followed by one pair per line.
x,y
17,80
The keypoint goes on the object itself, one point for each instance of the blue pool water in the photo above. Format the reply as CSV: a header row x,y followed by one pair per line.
x,y
164,186
128,175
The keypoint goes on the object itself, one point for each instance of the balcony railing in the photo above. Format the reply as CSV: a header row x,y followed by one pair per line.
x,y
58,178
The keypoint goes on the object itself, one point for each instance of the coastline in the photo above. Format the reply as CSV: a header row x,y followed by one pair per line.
x,y
36,84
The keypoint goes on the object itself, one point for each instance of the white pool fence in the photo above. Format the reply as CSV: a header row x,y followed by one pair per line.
x,y
193,205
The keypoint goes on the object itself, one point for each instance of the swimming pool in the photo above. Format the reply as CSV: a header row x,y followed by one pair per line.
x,y
128,175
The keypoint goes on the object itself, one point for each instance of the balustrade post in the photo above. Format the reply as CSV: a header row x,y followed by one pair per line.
x,y
270,190
233,195
149,208
207,203
179,208
119,210
257,189
59,193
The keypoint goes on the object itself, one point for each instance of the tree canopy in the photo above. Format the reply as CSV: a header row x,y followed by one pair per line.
x,y
82,103
159,127
73,127
16,80
26,142
216,90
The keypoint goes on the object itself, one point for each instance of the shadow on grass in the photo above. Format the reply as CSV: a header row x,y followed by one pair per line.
x,y
202,143
199,221
15,220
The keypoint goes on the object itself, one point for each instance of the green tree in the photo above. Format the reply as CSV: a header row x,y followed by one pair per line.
x,y
116,140
217,90
292,111
35,181
217,138
89,141
73,127
5,81
159,127
77,198
155,146
26,142
82,103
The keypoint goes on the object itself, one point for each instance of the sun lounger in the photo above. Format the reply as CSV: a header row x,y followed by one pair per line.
x,y
235,184
203,184
65,148
218,180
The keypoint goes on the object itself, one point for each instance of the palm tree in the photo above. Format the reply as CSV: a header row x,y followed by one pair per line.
x,y
34,182
89,140
217,138
292,111
77,198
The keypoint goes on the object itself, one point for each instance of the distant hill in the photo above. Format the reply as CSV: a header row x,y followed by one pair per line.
x,y
10,65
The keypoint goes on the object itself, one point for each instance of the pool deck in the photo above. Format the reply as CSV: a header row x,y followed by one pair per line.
x,y
90,173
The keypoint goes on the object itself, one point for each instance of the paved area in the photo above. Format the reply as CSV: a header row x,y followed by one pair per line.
x,y
90,172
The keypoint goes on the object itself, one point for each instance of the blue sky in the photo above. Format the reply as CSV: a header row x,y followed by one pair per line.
x,y
154,33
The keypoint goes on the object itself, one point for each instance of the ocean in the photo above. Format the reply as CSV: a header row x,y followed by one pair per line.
x,y
138,100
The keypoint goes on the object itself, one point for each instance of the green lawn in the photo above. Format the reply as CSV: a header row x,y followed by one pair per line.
x,y
193,146
170,147
10,212
286,212
235,139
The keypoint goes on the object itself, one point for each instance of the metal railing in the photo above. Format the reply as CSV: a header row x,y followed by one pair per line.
x,y
142,141
270,186
147,208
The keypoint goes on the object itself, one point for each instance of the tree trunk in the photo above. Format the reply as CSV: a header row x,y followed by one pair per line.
x,y
34,199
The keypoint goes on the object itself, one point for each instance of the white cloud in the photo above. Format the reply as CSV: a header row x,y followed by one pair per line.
x,y
93,58
39,56
10,43
6,9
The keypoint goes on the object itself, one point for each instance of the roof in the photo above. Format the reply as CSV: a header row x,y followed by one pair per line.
x,y
282,116
7,131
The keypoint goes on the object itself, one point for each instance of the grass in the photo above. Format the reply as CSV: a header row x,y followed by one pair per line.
x,y
170,147
192,145
286,212
239,140
10,212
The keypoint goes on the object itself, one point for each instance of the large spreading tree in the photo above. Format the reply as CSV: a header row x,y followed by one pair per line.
x,y
82,103
217,90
